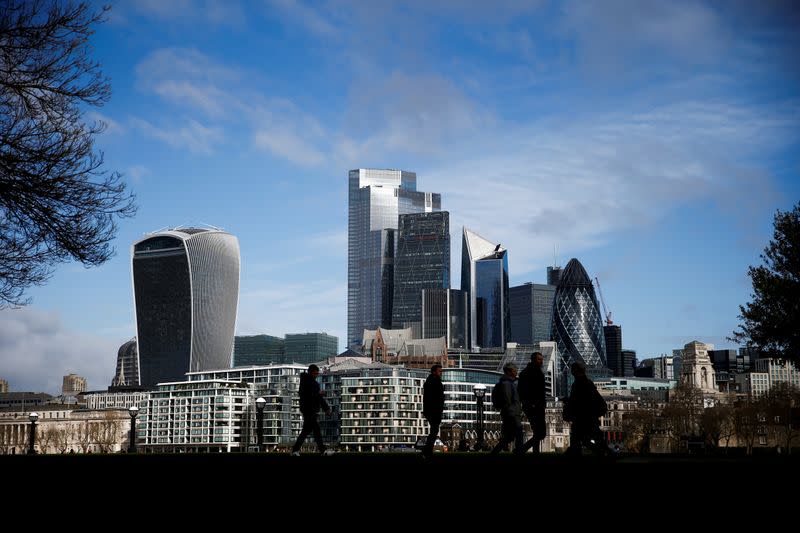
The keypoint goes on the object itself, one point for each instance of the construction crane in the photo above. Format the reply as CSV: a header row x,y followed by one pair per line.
x,y
606,312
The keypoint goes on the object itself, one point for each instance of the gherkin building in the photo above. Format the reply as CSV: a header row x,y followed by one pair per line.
x,y
577,324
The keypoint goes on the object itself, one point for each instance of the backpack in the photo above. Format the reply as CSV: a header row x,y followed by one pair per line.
x,y
498,398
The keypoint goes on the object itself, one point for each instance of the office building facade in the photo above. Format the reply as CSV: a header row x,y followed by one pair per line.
x,y
307,348
444,314
186,292
422,262
531,309
577,325
376,199
249,350
127,374
484,275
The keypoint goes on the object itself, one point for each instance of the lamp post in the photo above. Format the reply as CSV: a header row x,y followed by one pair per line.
x,y
133,411
260,403
479,391
33,418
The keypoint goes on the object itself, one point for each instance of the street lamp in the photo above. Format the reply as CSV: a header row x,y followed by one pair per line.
x,y
260,403
33,418
133,411
479,391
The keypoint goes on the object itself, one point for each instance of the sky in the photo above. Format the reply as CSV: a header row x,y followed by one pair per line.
x,y
654,141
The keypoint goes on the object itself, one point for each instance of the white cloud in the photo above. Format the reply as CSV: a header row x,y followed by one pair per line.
x,y
36,351
216,12
193,136
137,173
573,183
280,308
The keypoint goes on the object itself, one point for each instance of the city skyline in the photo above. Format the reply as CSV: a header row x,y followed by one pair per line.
x,y
651,141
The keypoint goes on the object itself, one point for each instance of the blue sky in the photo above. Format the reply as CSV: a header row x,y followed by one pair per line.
x,y
652,140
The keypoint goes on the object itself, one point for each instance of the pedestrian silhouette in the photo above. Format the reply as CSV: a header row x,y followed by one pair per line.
x,y
510,411
433,406
583,410
312,399
531,386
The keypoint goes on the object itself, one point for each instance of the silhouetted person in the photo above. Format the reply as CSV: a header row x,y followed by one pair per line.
x,y
311,401
583,409
510,411
433,406
531,388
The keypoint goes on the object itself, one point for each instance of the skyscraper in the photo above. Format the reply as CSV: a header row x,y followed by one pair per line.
x,y
577,328
484,274
186,291
531,308
422,262
613,337
376,198
554,275
444,314
127,374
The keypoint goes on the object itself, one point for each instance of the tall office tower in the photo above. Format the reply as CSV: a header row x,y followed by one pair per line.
x,y
73,384
484,275
531,308
444,314
613,338
307,348
185,291
628,362
376,199
577,326
256,350
3,386
127,374
554,275
422,262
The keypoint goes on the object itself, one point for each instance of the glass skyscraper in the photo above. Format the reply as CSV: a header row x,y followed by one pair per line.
x,y
185,291
444,314
376,198
127,373
484,275
422,262
577,324
256,350
531,308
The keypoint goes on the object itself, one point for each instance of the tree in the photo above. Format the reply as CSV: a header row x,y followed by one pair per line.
x,y
57,203
769,321
782,401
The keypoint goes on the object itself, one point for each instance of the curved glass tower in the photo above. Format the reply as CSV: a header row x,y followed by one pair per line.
x,y
127,366
185,291
577,324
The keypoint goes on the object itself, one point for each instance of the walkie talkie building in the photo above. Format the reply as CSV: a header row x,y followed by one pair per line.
x,y
186,291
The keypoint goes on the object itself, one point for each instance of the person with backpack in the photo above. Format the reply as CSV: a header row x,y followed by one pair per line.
x,y
532,395
505,398
583,410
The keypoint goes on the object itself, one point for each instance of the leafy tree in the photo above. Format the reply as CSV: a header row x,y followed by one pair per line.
x,y
57,203
770,321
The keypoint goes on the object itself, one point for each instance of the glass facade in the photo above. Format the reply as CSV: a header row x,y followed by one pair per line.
x,y
531,309
422,262
251,350
613,338
186,291
444,314
484,275
376,198
127,373
577,325
307,348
